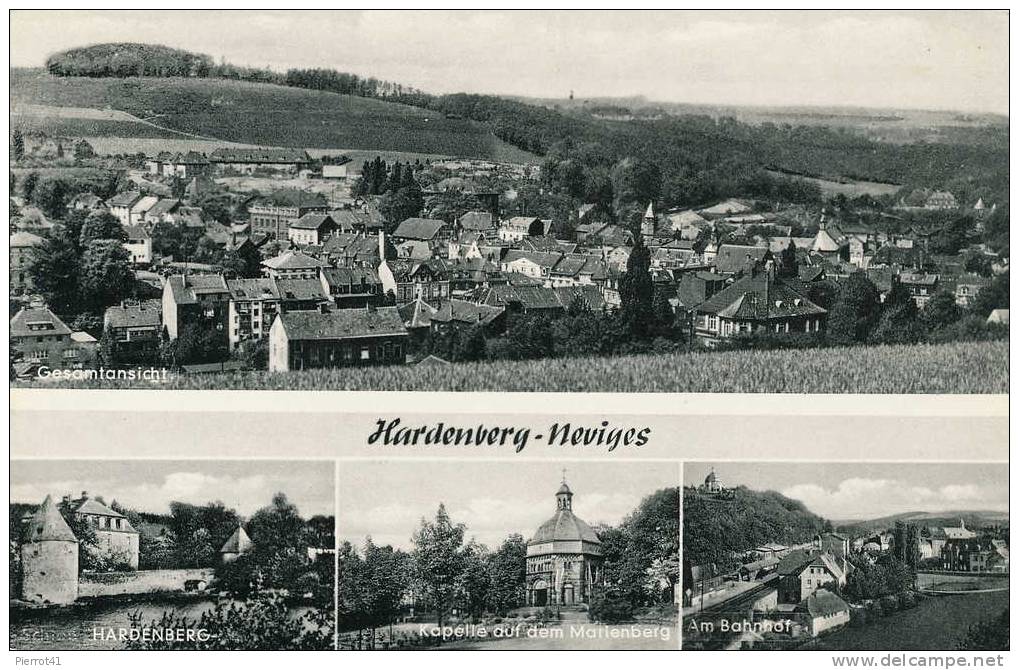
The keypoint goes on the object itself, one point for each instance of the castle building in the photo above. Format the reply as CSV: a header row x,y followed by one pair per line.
x,y
49,558
237,544
564,558
117,539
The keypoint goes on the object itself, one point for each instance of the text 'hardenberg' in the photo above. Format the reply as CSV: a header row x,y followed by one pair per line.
x,y
390,432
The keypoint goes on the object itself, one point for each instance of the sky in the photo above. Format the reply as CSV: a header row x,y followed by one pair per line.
x,y
955,60
387,500
150,486
851,491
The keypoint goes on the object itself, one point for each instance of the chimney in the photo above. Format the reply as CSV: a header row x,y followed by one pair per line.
x,y
84,494
382,245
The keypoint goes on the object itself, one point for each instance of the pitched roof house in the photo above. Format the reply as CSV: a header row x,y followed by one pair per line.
x,y
338,338
759,300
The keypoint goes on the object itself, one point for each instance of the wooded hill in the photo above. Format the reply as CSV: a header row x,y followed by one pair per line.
x,y
718,530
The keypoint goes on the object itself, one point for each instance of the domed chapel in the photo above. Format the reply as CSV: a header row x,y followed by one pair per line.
x,y
564,557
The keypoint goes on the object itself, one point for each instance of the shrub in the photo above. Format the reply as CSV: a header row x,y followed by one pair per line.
x,y
610,606
889,605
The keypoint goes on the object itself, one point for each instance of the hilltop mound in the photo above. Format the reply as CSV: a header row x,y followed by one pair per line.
x,y
714,530
128,59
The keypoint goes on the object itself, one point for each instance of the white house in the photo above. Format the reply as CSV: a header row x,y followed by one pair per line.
x,y
138,245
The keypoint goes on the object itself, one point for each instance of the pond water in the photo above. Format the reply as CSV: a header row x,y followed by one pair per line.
x,y
82,626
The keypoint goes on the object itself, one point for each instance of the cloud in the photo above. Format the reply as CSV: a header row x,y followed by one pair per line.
x,y
488,519
946,60
859,498
247,494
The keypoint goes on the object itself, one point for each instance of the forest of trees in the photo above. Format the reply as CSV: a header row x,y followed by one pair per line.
x,y
718,531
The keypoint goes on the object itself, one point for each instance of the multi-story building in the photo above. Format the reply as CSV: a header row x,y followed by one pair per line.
x,y
39,336
273,215
23,247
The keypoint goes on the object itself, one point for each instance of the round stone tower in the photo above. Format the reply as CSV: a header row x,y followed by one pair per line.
x,y
49,558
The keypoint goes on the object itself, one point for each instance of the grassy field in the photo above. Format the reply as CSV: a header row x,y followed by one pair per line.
x,y
948,368
248,113
935,624
849,188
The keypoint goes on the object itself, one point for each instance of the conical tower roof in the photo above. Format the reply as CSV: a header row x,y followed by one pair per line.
x,y
238,543
48,525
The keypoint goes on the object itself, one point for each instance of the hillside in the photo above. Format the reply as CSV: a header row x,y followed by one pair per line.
x,y
242,112
715,530
973,519
888,125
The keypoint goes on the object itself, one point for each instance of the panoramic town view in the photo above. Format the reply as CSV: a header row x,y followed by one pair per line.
x,y
189,212
508,556
829,556
164,555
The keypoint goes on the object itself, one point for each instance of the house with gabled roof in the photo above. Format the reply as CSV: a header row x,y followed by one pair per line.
x,y
122,204
202,300
351,287
517,228
803,571
477,222
116,538
247,161
273,214
823,611
313,228
307,340
39,336
759,301
135,326
293,264
737,258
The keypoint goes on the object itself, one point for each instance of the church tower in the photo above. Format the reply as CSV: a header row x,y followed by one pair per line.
x,y
49,558
647,224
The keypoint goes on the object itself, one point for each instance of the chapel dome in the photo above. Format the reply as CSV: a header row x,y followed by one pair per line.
x,y
564,527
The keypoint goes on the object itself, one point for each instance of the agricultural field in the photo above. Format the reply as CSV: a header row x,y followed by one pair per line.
x,y
977,367
849,188
249,113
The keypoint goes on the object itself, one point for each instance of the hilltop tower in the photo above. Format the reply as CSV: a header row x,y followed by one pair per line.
x,y
49,558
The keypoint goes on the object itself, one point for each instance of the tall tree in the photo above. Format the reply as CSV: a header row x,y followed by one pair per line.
x,y
101,226
106,276
54,271
28,185
635,183
439,560
508,572
856,310
17,144
278,525
636,291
